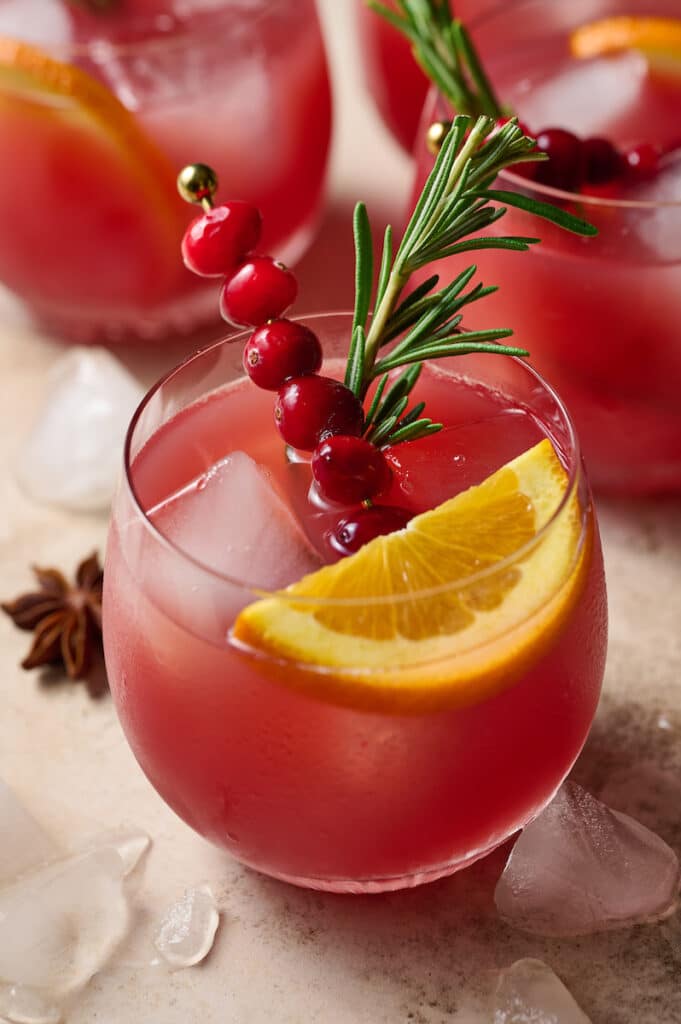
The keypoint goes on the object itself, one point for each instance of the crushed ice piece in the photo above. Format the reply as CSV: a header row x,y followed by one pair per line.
x,y
581,867
60,916
130,846
187,931
73,453
60,923
24,844
529,992
26,1006
232,521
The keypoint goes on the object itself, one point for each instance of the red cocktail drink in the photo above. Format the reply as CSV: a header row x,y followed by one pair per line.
x,y
367,776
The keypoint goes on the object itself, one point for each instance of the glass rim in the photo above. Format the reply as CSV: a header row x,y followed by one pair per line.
x,y
156,40
580,198
574,472
547,191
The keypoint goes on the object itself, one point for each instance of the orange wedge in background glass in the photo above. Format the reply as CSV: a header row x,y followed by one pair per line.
x,y
658,38
89,216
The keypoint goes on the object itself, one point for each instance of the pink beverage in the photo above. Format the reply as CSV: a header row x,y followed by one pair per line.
x,y
598,315
397,83
264,757
100,114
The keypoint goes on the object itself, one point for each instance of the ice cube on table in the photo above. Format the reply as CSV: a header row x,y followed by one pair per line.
x,y
74,452
581,867
23,843
529,992
130,847
187,930
588,97
60,923
27,1006
232,521
60,916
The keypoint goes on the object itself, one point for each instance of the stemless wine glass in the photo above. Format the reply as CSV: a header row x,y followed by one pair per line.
x,y
599,315
340,785
98,113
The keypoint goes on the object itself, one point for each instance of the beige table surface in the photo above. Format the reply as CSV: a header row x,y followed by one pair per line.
x,y
285,955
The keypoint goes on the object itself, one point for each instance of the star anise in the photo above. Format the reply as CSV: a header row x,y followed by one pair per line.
x,y
66,618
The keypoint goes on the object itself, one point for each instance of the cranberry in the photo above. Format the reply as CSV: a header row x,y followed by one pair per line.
x,y
354,531
602,162
260,290
215,243
279,350
564,168
309,409
349,469
642,161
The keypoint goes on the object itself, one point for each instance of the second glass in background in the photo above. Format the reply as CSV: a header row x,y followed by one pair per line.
x,y
600,316
113,105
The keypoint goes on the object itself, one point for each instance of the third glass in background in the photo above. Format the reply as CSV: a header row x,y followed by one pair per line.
x,y
600,316
99,113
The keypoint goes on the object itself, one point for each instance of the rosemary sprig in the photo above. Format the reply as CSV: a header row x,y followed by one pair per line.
x,y
442,46
456,208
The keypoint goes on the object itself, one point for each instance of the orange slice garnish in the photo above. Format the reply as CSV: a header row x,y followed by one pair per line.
x,y
395,627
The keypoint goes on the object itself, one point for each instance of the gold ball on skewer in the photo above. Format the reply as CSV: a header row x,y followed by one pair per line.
x,y
435,136
197,183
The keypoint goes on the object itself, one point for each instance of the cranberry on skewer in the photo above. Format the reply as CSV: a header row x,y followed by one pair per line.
x,y
260,289
279,350
309,409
